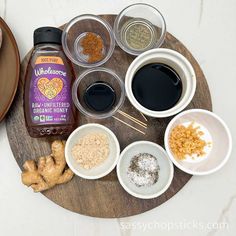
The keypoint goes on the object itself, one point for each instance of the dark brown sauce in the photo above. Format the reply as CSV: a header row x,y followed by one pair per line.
x,y
100,97
157,87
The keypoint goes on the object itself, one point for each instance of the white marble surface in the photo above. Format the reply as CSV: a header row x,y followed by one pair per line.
x,y
208,29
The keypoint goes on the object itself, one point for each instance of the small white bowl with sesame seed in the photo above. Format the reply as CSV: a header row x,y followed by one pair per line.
x,y
92,151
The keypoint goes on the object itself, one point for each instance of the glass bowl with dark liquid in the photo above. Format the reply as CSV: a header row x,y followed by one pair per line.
x,y
98,93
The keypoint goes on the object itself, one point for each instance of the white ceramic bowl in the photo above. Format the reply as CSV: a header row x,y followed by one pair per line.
x,y
218,132
176,61
107,166
166,171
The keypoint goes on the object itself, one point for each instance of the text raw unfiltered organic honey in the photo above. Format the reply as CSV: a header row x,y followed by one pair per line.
x,y
48,105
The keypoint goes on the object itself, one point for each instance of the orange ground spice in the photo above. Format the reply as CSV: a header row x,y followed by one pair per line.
x,y
92,45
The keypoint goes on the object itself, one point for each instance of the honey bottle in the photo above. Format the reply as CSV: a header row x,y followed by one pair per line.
x,y
48,105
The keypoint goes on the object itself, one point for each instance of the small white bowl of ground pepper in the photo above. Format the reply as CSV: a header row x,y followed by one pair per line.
x,y
144,170
92,151
198,142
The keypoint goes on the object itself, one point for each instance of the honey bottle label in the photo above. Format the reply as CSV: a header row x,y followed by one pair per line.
x,y
50,95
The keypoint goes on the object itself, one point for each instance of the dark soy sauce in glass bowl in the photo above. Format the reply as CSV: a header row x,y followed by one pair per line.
x,y
157,87
100,97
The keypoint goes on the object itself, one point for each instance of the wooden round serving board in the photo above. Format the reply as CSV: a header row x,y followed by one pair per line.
x,y
105,197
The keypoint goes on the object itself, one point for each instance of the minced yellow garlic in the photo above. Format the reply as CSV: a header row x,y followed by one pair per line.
x,y
186,141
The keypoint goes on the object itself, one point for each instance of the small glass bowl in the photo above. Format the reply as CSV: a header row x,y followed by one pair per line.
x,y
136,22
90,77
76,30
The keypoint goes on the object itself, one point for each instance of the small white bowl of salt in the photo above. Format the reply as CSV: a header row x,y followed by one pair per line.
x,y
145,170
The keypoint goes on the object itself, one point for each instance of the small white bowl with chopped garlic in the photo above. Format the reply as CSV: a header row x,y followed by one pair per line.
x,y
92,151
198,142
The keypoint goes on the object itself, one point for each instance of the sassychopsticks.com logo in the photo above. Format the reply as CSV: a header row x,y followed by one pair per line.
x,y
174,225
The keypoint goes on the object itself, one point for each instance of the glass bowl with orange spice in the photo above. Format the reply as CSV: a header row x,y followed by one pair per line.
x,y
88,40
198,142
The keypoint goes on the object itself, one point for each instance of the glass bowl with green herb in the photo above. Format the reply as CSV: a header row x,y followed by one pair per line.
x,y
138,28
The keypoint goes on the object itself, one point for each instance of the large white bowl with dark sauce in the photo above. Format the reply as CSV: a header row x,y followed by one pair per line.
x,y
179,64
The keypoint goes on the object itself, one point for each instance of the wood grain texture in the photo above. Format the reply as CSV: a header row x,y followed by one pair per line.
x,y
105,197
9,68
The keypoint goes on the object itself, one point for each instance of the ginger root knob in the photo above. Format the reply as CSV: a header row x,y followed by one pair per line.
x,y
49,171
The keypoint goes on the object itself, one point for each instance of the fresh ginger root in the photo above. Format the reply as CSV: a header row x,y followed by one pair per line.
x,y
49,171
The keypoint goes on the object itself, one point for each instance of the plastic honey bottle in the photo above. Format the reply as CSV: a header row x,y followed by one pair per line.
x,y
48,105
